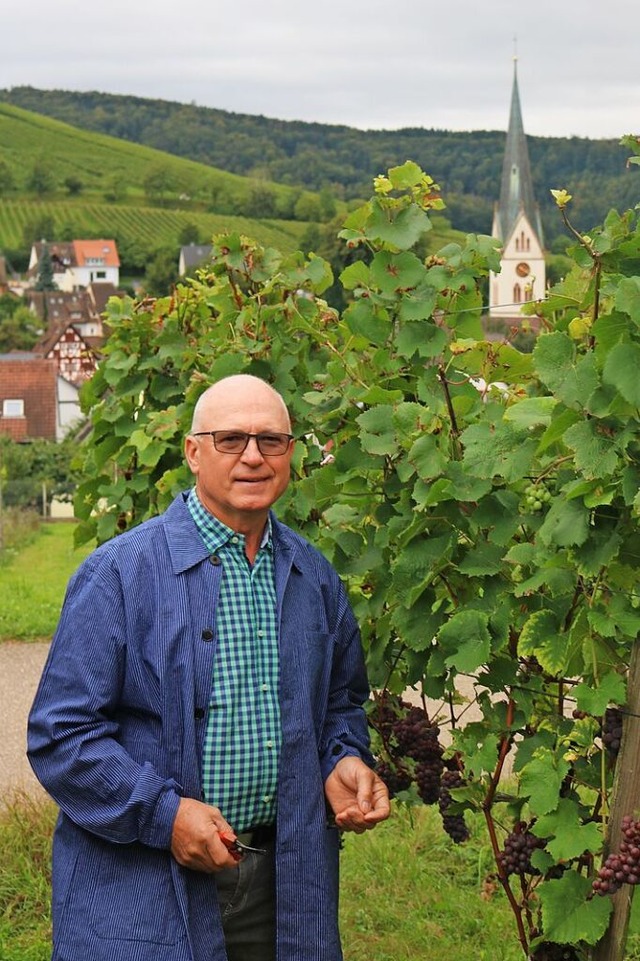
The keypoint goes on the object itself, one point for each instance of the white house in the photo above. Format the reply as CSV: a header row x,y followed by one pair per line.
x,y
79,263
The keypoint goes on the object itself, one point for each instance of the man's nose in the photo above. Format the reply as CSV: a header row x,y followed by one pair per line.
x,y
252,452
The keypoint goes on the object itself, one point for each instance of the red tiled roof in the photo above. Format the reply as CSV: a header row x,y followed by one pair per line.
x,y
31,379
90,251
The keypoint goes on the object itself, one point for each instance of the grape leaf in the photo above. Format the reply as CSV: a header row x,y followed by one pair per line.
x,y
621,371
610,690
541,779
568,917
569,837
466,636
628,297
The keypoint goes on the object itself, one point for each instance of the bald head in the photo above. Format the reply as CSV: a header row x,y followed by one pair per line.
x,y
239,393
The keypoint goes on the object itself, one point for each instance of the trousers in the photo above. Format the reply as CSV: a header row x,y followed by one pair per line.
x,y
247,899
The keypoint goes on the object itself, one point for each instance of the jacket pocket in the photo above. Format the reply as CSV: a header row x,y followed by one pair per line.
x,y
136,900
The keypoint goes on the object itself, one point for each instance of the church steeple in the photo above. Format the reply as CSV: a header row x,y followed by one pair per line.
x,y
517,225
516,188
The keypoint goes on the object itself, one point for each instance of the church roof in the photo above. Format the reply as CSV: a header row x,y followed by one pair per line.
x,y
516,187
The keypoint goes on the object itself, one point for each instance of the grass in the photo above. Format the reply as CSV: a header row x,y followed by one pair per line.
x,y
407,892
33,581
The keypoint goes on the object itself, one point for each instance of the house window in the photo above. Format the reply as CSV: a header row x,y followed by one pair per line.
x,y
101,275
13,408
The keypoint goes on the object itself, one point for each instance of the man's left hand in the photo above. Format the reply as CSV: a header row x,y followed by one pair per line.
x,y
359,799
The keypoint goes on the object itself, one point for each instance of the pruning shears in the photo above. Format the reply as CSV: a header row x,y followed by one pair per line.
x,y
238,849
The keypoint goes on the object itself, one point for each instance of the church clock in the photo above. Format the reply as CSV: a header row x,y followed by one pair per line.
x,y
522,269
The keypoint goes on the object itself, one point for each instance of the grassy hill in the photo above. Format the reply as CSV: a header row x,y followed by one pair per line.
x,y
92,184
344,160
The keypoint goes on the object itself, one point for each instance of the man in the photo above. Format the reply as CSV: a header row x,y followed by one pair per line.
x,y
206,684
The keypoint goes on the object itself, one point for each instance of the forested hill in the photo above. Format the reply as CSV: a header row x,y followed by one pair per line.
x,y
467,165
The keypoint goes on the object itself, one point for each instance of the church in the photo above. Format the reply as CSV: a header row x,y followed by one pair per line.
x,y
517,225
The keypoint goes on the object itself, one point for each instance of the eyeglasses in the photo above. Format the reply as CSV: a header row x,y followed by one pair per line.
x,y
235,441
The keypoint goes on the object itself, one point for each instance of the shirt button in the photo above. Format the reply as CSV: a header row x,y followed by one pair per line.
x,y
269,744
266,798
265,687
234,540
215,560
260,633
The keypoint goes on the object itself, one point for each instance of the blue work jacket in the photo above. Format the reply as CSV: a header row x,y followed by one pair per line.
x,y
116,732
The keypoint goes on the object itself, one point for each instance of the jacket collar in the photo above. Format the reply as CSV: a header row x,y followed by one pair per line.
x,y
186,546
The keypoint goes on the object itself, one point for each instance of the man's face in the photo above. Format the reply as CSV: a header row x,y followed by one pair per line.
x,y
239,489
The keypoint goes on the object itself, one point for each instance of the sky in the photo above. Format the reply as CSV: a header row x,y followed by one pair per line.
x,y
362,63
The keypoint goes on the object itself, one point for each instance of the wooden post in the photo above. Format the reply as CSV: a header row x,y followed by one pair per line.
x,y
625,799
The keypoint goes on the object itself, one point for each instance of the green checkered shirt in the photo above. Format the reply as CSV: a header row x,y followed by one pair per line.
x,y
242,738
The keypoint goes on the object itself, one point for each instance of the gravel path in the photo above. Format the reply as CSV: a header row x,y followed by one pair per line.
x,y
21,665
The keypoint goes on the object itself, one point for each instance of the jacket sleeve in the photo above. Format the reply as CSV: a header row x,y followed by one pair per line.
x,y
74,736
345,730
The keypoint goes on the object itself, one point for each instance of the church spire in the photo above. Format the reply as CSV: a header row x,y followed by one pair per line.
x,y
516,188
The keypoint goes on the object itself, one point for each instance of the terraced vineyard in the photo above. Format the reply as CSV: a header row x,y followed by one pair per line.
x,y
99,165
149,227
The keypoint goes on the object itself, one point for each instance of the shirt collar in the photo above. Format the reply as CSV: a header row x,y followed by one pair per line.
x,y
213,532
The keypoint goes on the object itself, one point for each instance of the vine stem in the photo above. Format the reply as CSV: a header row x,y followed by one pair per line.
x,y
505,745
455,430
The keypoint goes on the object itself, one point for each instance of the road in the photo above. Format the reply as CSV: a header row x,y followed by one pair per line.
x,y
20,668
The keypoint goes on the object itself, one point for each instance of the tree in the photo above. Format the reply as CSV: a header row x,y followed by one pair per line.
x,y
189,234
481,503
161,273
37,229
44,280
41,180
114,189
7,180
73,185
158,183
18,325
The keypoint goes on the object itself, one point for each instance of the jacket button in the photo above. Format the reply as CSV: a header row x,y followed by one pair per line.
x,y
198,713
215,560
336,749
207,634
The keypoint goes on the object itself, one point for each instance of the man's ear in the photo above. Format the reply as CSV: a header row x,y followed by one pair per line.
x,y
192,453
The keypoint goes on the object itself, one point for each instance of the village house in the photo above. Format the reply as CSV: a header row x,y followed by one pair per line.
x,y
35,400
193,256
78,263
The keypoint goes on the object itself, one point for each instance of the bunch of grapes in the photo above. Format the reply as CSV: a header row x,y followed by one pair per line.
x,y
388,708
416,737
612,730
622,867
519,845
395,777
427,775
536,496
454,824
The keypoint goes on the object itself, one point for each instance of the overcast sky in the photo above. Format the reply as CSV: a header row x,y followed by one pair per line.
x,y
363,63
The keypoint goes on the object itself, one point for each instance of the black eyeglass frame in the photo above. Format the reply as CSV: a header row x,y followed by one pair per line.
x,y
247,437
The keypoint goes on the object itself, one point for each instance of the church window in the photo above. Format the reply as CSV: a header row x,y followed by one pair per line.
x,y
517,294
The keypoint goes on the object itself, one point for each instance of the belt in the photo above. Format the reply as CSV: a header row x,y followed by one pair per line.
x,y
259,836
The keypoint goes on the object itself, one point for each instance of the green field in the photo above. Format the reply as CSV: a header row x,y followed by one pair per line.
x,y
33,582
149,227
196,194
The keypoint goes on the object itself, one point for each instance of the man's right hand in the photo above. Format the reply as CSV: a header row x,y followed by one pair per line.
x,y
195,840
